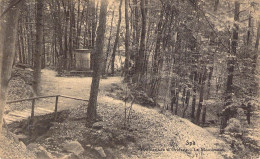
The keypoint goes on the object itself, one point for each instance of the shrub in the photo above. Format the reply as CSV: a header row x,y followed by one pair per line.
x,y
234,126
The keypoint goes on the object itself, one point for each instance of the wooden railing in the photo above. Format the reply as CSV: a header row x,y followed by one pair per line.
x,y
33,99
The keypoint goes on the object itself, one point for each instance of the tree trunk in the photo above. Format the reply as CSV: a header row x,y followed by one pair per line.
x,y
141,55
157,60
108,44
204,108
177,102
256,49
202,84
43,49
193,105
71,35
209,82
65,44
136,33
8,38
19,48
230,68
169,83
183,96
216,5
204,112
97,70
248,41
127,38
106,64
257,37
38,47
187,101
116,40
29,37
92,30
173,99
21,40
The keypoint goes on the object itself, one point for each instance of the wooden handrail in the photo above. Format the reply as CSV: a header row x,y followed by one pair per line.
x,y
27,99
33,98
74,98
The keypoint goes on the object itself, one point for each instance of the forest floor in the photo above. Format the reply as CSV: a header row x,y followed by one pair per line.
x,y
149,132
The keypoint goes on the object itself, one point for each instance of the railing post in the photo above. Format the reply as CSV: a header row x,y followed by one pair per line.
x,y
56,107
32,113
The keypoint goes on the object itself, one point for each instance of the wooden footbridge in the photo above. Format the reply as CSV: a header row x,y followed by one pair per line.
x,y
35,111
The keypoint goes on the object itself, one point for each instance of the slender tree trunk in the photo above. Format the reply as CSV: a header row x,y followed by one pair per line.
x,y
209,82
86,19
141,56
92,29
8,38
169,83
177,102
173,99
71,35
187,101
97,70
38,47
116,40
248,40
43,49
157,58
256,49
136,31
202,84
65,44
127,38
183,96
216,5
21,39
29,36
19,48
257,37
193,105
204,108
108,44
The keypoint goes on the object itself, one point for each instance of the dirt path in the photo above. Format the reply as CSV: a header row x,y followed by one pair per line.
x,y
52,85
69,86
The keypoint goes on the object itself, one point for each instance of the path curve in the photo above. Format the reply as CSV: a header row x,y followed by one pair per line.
x,y
52,85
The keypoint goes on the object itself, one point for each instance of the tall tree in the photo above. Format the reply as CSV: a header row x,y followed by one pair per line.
x,y
202,80
109,42
157,60
141,53
256,47
39,48
8,32
98,60
127,38
116,40
230,68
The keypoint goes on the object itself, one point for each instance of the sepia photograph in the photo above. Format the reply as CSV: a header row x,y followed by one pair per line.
x,y
129,79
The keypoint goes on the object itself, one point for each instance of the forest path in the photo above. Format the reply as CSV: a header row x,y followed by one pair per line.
x,y
70,86
78,87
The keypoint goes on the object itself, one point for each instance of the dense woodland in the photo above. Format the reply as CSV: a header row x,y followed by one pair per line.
x,y
184,54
